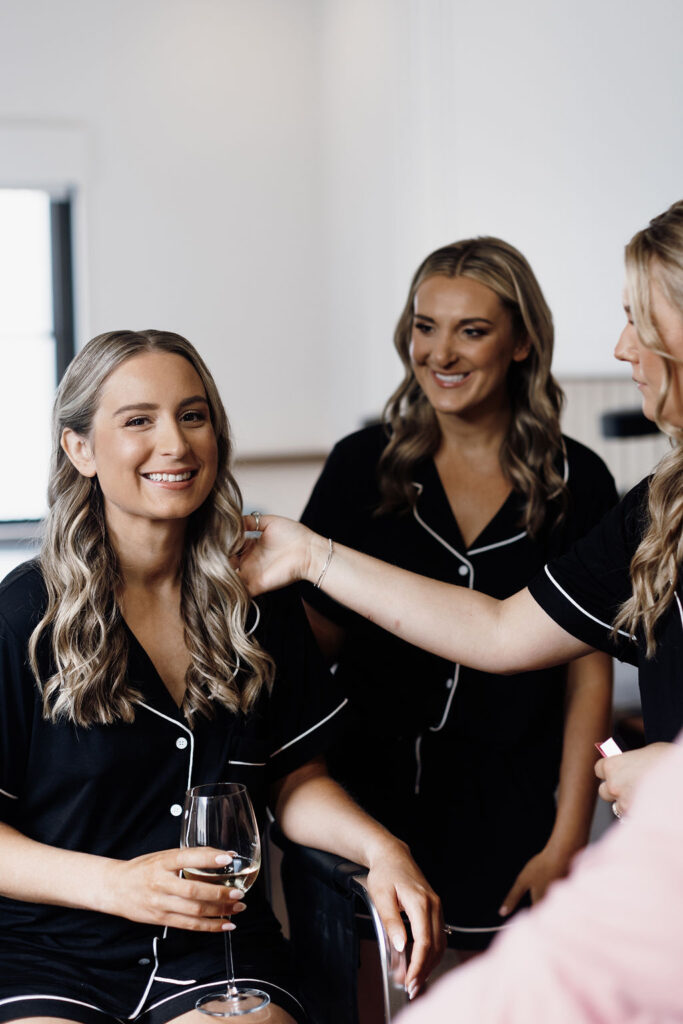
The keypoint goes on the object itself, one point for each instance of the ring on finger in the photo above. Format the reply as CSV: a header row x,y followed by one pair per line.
x,y
257,517
615,810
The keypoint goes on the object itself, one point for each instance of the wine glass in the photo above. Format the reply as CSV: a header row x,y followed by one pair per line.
x,y
221,816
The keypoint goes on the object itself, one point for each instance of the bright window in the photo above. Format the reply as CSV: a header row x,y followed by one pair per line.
x,y
36,343
27,350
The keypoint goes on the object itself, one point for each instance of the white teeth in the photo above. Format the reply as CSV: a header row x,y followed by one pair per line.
x,y
172,478
450,378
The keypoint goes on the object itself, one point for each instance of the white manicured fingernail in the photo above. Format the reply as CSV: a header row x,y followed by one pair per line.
x,y
228,927
235,894
399,943
224,858
412,991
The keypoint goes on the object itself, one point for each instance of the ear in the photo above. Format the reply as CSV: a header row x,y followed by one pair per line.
x,y
522,349
79,452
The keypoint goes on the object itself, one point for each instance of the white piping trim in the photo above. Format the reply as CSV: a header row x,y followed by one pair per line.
x,y
451,928
440,539
175,981
453,551
251,764
680,607
10,796
312,729
60,999
219,981
566,465
470,584
151,977
178,725
418,762
498,544
258,618
588,615
446,712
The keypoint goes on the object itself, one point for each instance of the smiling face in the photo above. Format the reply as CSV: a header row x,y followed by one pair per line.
x,y
647,366
462,345
152,445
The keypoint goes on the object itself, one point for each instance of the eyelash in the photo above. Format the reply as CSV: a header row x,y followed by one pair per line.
x,y
191,416
469,332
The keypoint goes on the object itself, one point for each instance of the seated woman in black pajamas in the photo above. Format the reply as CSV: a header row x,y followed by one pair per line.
x,y
618,590
133,665
468,480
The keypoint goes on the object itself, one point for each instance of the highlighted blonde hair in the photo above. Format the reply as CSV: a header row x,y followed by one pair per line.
x,y
533,446
656,253
83,626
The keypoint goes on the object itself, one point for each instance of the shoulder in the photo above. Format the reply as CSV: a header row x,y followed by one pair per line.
x,y
347,486
582,464
23,598
365,445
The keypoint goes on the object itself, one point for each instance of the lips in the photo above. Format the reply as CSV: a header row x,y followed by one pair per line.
x,y
172,478
450,379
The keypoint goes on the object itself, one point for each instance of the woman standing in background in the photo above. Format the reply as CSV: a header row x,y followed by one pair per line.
x,y
468,480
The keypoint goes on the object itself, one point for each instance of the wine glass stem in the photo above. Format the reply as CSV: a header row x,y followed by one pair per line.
x,y
229,965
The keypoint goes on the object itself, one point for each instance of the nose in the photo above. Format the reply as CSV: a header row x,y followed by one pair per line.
x,y
444,349
626,349
172,440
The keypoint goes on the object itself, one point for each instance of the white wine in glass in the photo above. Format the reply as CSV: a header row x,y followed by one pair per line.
x,y
221,815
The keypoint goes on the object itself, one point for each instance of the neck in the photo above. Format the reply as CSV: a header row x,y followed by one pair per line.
x,y
149,553
483,432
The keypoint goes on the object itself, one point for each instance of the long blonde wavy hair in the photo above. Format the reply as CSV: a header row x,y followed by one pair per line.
x,y
656,253
83,626
530,451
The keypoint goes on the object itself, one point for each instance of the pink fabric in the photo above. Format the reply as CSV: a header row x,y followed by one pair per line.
x,y
605,946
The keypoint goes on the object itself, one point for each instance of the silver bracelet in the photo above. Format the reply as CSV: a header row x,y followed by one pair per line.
x,y
326,566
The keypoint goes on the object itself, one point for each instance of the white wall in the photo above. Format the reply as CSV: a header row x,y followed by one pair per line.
x,y
201,187
264,175
554,126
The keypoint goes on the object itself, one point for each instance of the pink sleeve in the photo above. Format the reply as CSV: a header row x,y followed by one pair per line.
x,y
604,946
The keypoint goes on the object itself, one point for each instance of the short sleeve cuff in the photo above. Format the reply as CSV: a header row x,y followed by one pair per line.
x,y
310,743
551,592
8,804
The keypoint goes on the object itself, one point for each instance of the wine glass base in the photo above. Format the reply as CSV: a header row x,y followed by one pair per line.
x,y
224,1004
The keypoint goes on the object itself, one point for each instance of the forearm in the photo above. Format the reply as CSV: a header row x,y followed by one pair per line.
x,y
454,622
38,873
587,722
314,810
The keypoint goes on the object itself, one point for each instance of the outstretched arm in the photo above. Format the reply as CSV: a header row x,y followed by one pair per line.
x,y
451,621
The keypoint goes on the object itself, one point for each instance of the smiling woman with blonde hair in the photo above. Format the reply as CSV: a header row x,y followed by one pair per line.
x,y
134,665
470,480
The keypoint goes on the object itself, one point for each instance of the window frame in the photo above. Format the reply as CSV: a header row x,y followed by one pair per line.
x,y
18,531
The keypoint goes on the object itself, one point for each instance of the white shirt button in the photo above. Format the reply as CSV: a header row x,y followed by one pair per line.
x,y
176,809
463,570
181,743
143,961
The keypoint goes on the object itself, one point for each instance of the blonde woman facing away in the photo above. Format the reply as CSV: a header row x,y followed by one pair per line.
x,y
468,480
618,590
133,664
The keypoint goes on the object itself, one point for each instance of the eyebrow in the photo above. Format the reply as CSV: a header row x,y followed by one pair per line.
x,y
465,319
150,406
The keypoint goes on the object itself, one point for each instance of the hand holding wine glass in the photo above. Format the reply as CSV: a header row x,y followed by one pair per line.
x,y
221,816
151,889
